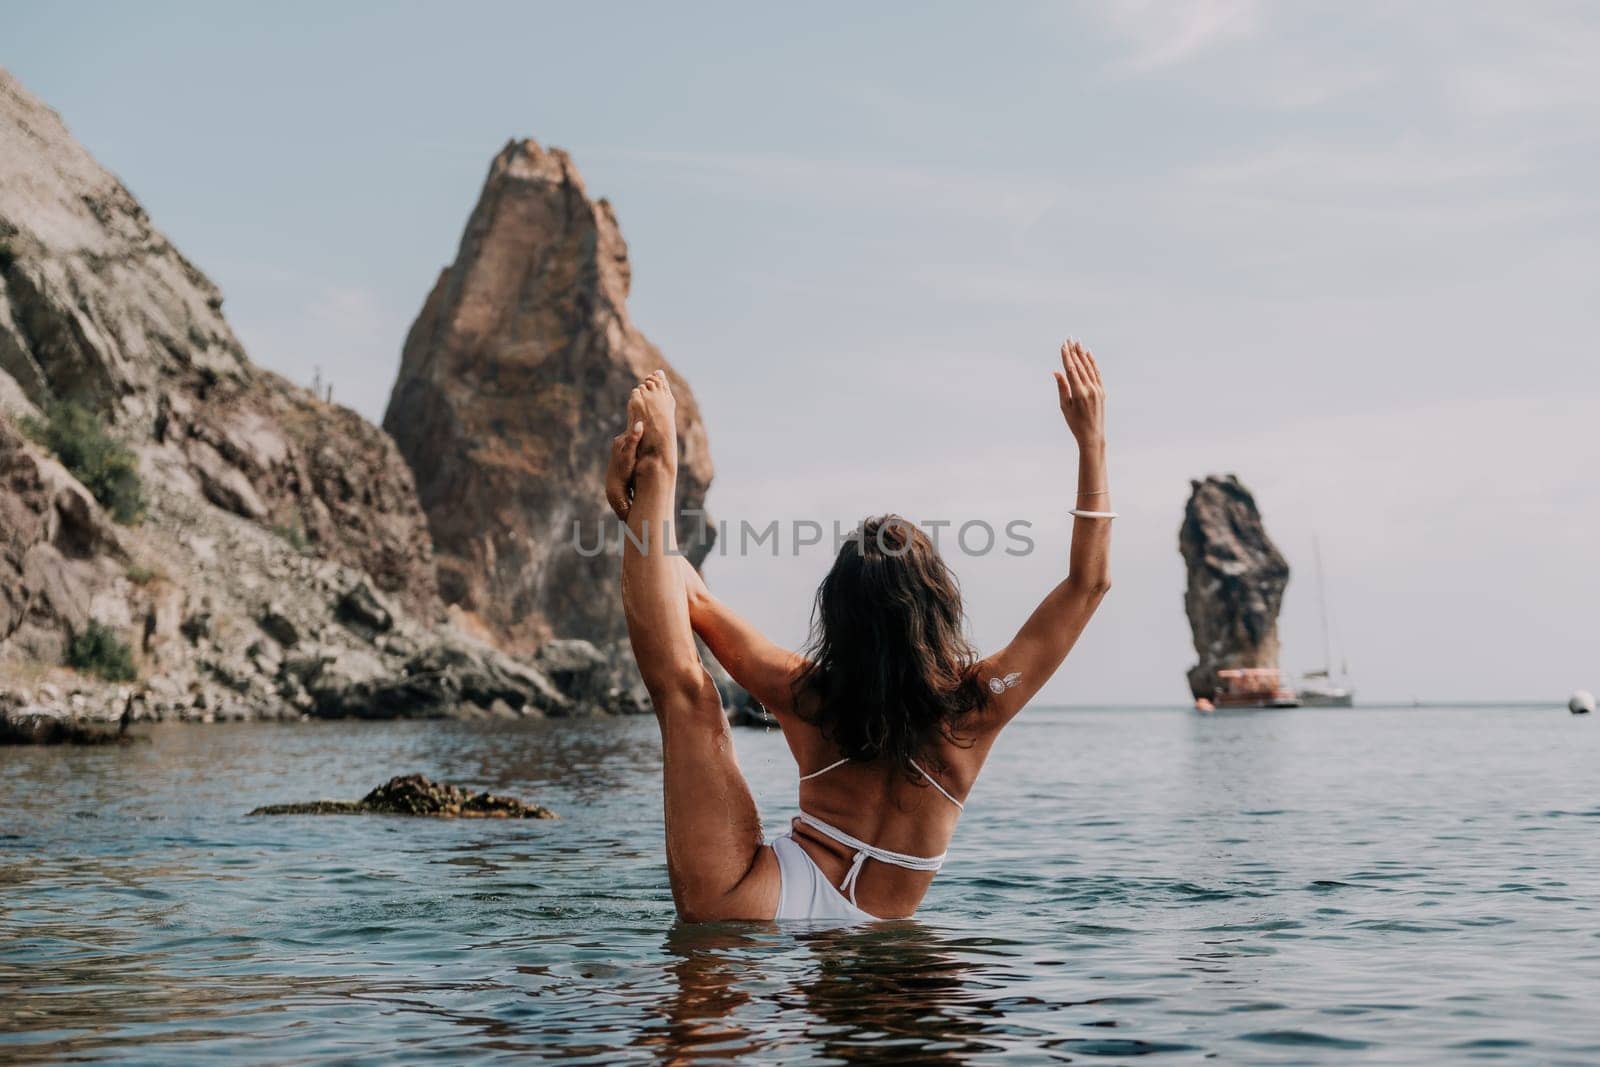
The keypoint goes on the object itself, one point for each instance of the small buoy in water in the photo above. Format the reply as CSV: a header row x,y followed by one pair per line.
x,y
1582,702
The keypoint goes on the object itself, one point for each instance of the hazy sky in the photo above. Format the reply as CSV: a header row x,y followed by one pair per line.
x,y
1350,252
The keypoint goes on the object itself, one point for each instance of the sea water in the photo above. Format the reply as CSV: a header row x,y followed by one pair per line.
x,y
1312,886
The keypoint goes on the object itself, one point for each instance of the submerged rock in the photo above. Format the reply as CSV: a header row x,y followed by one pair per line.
x,y
1236,581
416,794
513,380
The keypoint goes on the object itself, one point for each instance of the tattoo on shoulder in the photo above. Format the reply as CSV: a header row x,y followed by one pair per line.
x,y
1000,685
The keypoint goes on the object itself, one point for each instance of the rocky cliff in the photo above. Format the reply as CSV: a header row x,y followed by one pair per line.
x,y
1236,581
513,381
97,307
264,553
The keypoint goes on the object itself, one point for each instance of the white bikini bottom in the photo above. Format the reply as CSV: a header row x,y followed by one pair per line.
x,y
804,893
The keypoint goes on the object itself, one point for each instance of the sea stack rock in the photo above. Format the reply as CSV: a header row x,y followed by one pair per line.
x,y
513,380
1236,581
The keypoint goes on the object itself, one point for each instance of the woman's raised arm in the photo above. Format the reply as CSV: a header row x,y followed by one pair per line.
x,y
1015,673
766,670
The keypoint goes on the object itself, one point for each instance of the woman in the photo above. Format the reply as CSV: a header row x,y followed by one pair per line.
x,y
890,713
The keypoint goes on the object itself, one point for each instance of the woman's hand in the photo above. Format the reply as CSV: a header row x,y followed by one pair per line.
x,y
1083,398
619,472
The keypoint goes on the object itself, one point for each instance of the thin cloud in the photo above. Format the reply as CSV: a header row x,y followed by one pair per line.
x,y
1525,60
1010,198
1323,166
1161,34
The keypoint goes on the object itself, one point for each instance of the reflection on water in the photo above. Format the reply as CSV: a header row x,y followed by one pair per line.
x,y
898,992
1412,887
708,966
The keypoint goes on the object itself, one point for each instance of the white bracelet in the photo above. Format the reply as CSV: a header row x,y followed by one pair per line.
x,y
1079,513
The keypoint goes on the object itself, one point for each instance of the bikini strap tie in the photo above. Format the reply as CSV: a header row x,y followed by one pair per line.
x,y
848,883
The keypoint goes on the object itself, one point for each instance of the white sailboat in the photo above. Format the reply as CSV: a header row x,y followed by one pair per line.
x,y
1319,688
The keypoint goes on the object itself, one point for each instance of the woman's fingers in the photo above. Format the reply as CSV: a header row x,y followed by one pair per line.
x,y
1062,388
619,474
1094,368
616,493
1074,366
1088,371
626,440
624,443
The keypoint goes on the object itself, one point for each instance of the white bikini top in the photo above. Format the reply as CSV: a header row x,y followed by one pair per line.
x,y
865,851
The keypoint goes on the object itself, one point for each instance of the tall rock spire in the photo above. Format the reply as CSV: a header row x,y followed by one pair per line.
x,y
513,380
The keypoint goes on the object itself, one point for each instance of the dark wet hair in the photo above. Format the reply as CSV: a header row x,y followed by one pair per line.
x,y
889,667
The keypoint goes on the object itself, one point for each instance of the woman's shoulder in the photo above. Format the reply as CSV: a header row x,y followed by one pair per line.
x,y
806,741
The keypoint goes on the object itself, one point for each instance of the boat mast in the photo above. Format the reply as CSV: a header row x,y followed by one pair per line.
x,y
1322,607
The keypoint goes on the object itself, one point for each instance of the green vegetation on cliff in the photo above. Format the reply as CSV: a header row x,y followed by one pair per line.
x,y
105,466
97,650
